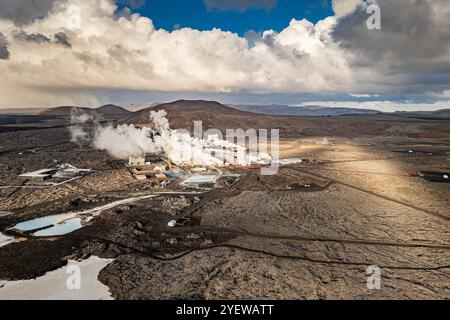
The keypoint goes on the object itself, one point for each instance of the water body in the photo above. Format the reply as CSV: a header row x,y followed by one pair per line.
x,y
66,223
60,229
5,240
43,222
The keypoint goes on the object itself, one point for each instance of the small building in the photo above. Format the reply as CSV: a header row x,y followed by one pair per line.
x,y
160,176
136,161
140,177
172,223
289,161
149,166
68,171
199,169
39,176
149,160
198,181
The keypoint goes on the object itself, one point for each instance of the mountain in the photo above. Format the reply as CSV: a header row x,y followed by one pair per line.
x,y
107,111
443,114
182,114
65,111
21,111
139,107
304,111
113,110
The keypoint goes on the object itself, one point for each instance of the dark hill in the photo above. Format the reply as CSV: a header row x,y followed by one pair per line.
x,y
113,110
65,111
109,111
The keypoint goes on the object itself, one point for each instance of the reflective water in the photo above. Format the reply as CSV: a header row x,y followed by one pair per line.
x,y
62,224
60,229
4,240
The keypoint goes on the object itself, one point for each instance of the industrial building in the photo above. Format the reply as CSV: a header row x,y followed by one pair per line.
x,y
53,175
39,176
149,167
198,181
146,160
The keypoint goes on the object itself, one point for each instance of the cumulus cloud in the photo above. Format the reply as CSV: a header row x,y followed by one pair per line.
x,y
53,61
239,5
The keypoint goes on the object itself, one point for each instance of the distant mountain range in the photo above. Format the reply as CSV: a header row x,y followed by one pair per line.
x,y
21,111
305,111
321,111
115,111
426,115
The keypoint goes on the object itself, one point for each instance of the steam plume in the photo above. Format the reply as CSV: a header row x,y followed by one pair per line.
x,y
180,147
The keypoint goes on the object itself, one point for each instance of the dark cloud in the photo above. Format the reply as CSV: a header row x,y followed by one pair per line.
x,y
413,32
412,48
62,39
23,12
239,5
31,37
123,13
59,38
4,52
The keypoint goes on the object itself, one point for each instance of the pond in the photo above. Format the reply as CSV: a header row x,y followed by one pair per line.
x,y
5,240
61,224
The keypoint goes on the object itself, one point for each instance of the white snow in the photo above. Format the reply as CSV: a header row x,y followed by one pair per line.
x,y
53,285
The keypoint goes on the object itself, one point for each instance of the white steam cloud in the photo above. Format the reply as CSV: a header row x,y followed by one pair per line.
x,y
179,146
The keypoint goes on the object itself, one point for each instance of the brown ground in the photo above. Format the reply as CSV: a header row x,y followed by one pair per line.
x,y
264,238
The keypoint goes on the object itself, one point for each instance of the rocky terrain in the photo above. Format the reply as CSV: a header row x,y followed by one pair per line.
x,y
309,232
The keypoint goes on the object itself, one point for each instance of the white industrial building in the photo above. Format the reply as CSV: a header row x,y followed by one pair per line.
x,y
65,171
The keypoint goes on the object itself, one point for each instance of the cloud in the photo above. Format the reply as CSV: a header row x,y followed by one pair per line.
x,y
410,32
239,5
4,52
62,39
38,38
33,37
25,11
345,7
413,46
354,95
126,53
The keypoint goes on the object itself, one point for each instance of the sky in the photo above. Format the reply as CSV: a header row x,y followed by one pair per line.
x,y
206,15
89,53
